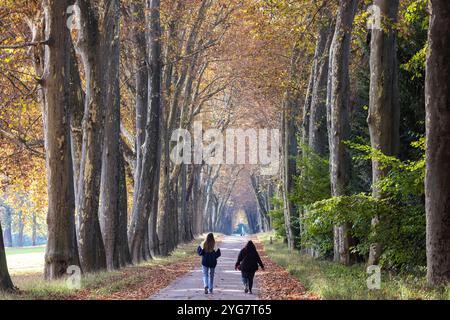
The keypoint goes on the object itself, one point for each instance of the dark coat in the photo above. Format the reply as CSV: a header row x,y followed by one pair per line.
x,y
209,259
248,261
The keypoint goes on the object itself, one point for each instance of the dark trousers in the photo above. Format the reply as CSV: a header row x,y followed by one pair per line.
x,y
247,279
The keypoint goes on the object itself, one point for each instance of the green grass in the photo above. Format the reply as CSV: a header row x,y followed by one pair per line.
x,y
333,281
24,250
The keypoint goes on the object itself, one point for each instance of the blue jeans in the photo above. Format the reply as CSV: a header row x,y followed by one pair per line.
x,y
208,278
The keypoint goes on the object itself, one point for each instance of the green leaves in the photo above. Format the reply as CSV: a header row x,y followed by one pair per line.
x,y
277,215
416,65
313,182
402,232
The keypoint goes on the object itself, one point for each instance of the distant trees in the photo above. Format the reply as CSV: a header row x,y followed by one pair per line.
x,y
21,227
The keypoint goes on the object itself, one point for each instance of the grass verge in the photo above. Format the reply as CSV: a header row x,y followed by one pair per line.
x,y
24,250
333,281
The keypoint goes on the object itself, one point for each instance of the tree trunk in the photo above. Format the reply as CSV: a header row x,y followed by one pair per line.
x,y
7,224
122,238
61,249
5,280
318,134
20,227
112,181
164,206
34,230
142,77
76,102
338,119
262,202
143,205
384,108
153,220
291,107
91,43
437,182
307,106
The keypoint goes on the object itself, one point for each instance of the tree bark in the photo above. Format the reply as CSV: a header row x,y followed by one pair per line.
x,y
61,248
7,224
76,102
143,205
20,227
437,182
5,280
153,220
307,107
91,43
262,202
112,185
338,119
34,230
122,239
164,210
384,108
318,134
290,112
142,77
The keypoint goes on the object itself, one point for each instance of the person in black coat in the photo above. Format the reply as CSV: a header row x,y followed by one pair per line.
x,y
247,262
209,262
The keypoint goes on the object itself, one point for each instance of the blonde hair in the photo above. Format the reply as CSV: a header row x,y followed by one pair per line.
x,y
209,243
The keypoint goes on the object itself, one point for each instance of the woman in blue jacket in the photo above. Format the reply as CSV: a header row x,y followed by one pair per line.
x,y
209,262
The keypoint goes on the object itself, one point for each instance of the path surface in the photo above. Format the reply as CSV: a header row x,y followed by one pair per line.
x,y
227,281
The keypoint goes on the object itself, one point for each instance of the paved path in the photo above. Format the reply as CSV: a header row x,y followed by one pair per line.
x,y
227,281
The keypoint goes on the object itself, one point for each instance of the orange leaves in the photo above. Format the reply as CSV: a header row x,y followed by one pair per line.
x,y
275,283
139,283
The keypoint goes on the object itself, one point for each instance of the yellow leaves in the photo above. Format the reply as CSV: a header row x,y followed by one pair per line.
x,y
26,190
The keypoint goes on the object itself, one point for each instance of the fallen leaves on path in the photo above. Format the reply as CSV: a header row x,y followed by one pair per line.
x,y
275,283
152,279
145,281
138,282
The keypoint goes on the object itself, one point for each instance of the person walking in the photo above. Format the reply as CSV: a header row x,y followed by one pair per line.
x,y
209,261
247,262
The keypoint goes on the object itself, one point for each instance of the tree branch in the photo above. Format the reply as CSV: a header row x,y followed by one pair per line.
x,y
25,45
